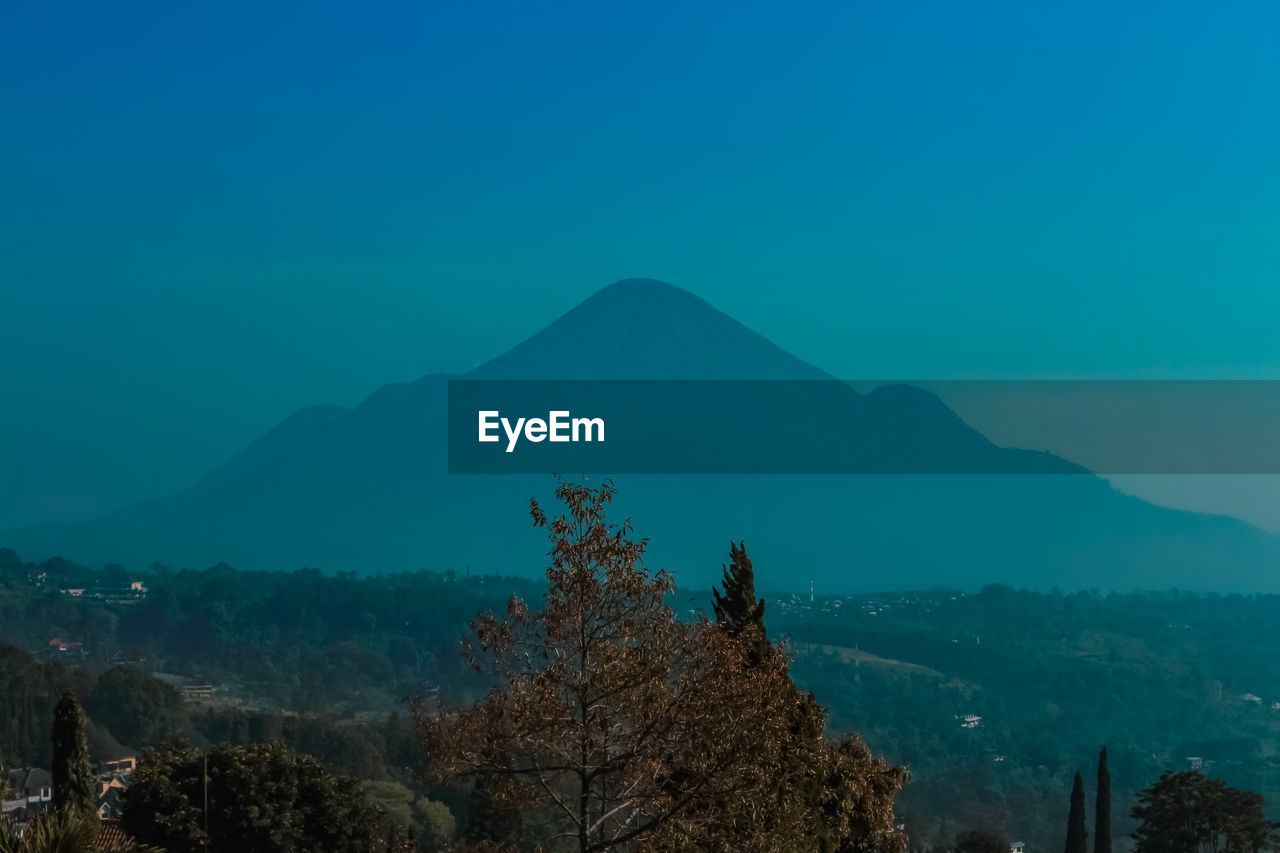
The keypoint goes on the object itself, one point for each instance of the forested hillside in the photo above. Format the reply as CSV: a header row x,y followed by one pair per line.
x,y
995,700
992,700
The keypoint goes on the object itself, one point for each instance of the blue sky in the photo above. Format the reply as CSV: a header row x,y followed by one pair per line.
x,y
214,214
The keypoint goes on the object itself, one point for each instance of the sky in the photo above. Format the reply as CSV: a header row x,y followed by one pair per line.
x,y
214,214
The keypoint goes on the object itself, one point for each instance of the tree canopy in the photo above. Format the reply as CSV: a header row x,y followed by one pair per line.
x,y
614,723
264,798
1188,813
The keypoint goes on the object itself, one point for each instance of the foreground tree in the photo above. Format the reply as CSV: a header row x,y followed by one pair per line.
x,y
836,794
72,773
1187,813
616,725
1102,807
1077,832
263,798
856,796
797,787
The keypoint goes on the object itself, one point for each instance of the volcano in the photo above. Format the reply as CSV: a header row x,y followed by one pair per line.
x,y
644,329
366,489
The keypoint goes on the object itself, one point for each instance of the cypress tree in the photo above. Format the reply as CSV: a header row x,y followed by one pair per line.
x,y
72,775
816,776
1077,832
737,607
1102,808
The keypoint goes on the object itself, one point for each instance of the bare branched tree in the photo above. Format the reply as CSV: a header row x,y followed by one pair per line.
x,y
615,723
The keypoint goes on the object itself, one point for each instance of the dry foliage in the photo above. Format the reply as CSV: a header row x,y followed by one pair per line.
x,y
617,725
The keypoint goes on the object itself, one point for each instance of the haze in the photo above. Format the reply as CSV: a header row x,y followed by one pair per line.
x,y
214,216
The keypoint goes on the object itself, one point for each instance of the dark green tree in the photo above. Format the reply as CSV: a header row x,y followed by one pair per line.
x,y
137,709
489,818
1077,831
30,692
981,841
1102,807
737,608
265,798
1187,813
435,826
12,569
72,774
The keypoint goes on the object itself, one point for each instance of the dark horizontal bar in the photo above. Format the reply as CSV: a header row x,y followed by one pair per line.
x,y
867,427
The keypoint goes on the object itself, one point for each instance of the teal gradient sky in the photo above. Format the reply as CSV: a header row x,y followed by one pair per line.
x,y
213,214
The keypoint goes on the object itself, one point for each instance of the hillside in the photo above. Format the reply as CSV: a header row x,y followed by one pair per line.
x,y
993,700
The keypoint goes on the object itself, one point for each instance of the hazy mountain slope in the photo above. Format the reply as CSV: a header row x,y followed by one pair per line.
x,y
365,488
643,329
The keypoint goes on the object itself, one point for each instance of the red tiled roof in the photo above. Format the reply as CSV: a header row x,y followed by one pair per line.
x,y
112,839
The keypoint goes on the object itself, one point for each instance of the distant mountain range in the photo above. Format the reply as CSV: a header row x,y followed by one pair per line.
x,y
366,489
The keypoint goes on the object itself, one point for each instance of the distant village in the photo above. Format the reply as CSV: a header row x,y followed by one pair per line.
x,y
869,604
32,790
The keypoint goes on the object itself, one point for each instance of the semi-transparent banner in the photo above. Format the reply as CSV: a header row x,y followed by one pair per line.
x,y
865,427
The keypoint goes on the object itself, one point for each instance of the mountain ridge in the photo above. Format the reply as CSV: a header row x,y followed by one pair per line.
x,y
364,488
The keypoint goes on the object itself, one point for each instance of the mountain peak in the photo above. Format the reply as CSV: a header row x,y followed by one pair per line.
x,y
640,328
646,289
